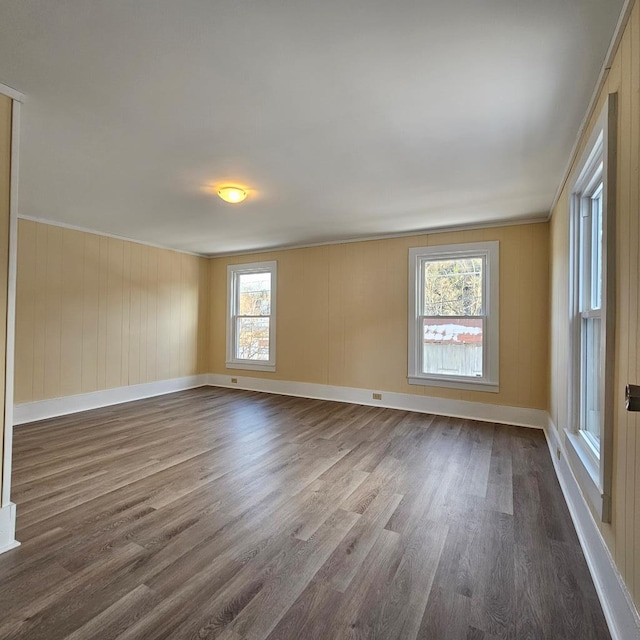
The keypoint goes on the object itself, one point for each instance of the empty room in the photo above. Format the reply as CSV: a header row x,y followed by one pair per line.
x,y
320,320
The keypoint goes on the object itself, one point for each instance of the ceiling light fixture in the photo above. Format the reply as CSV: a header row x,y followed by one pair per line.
x,y
232,194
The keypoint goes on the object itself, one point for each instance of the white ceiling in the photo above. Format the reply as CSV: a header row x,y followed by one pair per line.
x,y
345,117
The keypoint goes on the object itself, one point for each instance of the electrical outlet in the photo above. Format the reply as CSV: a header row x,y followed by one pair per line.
x,y
234,380
377,396
558,452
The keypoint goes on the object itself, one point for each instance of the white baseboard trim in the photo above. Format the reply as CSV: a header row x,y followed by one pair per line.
x,y
518,416
617,604
8,528
43,409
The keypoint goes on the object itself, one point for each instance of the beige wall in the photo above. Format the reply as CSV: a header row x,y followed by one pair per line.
x,y
342,314
96,313
623,535
5,183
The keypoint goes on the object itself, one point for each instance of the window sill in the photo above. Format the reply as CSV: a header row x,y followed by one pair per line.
x,y
586,470
251,366
468,385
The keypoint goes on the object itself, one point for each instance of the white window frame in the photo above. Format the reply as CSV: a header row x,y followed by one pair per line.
x,y
233,273
489,251
593,464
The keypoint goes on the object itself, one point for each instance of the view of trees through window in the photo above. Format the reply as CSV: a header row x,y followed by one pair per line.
x,y
452,331
453,287
252,317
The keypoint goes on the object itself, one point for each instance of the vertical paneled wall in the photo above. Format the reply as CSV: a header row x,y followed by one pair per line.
x,y
342,314
623,534
95,313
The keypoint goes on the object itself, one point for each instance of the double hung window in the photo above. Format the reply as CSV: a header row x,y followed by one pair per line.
x,y
251,293
453,316
591,314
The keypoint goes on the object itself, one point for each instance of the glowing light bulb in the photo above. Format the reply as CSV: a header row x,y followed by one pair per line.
x,y
232,194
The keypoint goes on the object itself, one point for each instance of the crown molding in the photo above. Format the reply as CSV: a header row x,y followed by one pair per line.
x,y
6,90
387,236
623,20
73,227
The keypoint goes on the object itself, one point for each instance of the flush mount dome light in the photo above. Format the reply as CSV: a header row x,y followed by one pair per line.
x,y
232,194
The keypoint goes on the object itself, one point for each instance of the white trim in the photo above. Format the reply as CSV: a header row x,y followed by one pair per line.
x,y
517,416
233,271
625,14
43,409
597,164
11,306
586,468
491,224
490,253
454,383
543,218
8,528
617,603
250,366
11,93
104,234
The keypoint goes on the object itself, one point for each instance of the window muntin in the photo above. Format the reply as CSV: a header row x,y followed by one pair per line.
x,y
453,325
251,316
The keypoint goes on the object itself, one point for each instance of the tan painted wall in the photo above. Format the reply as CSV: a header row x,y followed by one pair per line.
x,y
623,534
342,314
96,313
5,184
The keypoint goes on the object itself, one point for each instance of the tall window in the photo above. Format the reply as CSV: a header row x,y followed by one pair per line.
x,y
591,308
453,316
251,316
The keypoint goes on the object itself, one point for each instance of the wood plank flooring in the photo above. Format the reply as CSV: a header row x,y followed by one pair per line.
x,y
227,514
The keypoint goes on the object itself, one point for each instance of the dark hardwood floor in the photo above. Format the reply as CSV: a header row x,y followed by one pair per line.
x,y
227,514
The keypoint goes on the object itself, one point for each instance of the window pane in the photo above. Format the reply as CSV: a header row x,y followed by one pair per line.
x,y
254,294
252,338
591,378
596,250
453,287
453,346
